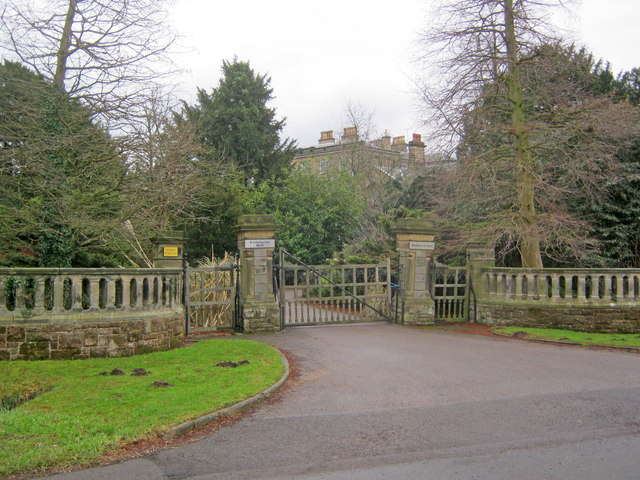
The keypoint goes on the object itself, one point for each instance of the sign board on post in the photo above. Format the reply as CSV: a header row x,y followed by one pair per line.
x,y
260,243
414,245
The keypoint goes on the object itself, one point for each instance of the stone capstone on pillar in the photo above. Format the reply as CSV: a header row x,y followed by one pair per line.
x,y
168,249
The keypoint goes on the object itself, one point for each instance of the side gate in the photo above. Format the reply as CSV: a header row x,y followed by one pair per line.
x,y
451,292
326,294
212,298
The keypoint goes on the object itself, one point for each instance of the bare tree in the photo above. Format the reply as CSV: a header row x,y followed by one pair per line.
x,y
358,131
169,183
109,54
517,167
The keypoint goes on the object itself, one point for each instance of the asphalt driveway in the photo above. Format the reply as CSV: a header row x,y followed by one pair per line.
x,y
384,401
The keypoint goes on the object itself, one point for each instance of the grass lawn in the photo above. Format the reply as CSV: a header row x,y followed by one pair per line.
x,y
584,338
79,414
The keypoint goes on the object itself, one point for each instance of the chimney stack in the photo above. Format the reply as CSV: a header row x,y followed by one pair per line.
x,y
350,134
326,137
399,144
385,141
416,152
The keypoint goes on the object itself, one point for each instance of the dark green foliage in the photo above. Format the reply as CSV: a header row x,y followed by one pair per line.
x,y
315,213
216,218
234,120
616,222
627,86
60,175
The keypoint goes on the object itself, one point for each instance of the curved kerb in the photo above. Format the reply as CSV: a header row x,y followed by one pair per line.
x,y
232,410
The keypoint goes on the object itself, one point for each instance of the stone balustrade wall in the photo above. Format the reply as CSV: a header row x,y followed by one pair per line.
x,y
599,300
82,313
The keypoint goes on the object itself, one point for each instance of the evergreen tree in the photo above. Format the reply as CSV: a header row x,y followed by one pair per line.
x,y
616,220
60,176
234,120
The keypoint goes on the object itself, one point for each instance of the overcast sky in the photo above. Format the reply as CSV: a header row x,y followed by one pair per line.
x,y
321,55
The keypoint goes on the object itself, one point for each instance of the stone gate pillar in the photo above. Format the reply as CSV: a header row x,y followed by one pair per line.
x,y
478,257
168,249
256,244
415,246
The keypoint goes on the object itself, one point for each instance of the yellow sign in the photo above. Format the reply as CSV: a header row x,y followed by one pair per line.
x,y
170,251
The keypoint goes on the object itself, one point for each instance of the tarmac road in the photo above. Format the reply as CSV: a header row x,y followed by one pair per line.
x,y
380,401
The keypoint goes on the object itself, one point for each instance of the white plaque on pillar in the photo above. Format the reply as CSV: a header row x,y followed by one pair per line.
x,y
260,243
414,245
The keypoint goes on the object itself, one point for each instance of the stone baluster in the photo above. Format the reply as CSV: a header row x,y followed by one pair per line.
x,y
619,287
581,288
170,291
20,294
38,297
555,289
511,286
126,292
94,293
518,290
111,293
58,294
76,293
532,287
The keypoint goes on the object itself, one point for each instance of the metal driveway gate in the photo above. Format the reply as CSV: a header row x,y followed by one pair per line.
x,y
325,294
212,298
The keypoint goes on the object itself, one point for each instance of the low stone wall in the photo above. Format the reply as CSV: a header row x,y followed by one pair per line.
x,y
585,318
85,313
91,337
590,300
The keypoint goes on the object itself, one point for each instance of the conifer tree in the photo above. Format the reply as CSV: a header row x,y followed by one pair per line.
x,y
236,121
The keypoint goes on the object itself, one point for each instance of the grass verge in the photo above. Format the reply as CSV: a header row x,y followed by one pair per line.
x,y
78,414
569,336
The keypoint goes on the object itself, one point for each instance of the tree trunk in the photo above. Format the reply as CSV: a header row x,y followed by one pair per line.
x,y
529,237
65,43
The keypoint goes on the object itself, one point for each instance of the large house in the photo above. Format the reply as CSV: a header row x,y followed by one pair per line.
x,y
392,157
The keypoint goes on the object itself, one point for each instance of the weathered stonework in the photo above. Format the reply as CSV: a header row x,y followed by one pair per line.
x,y
261,313
261,317
414,238
590,300
82,313
90,339
419,312
586,318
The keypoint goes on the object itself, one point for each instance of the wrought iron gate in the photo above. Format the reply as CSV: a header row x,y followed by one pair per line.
x,y
212,298
325,294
